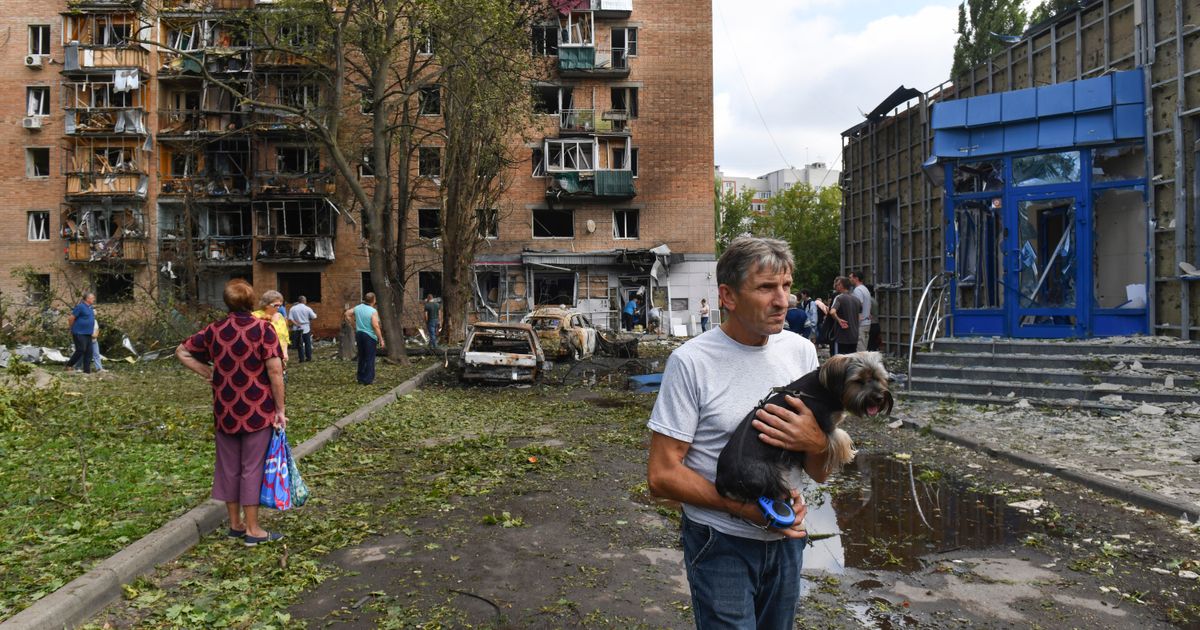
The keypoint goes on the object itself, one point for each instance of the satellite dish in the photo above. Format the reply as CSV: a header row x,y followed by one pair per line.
x,y
591,226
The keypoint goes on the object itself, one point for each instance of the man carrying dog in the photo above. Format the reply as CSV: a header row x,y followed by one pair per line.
x,y
742,573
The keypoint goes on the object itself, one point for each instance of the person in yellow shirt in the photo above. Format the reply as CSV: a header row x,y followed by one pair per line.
x,y
268,309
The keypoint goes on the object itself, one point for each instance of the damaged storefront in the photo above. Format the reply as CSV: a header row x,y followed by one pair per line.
x,y
597,284
1050,190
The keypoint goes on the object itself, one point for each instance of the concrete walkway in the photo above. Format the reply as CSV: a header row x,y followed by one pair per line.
x,y
83,597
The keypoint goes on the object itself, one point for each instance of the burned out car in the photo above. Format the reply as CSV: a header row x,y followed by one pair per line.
x,y
501,353
565,333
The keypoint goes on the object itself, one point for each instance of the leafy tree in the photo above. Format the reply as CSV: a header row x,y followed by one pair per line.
x,y
809,220
1050,8
979,23
733,215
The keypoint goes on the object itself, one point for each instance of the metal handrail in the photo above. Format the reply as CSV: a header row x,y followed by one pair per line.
x,y
932,324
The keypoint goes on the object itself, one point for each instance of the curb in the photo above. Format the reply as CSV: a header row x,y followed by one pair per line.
x,y
1162,504
88,594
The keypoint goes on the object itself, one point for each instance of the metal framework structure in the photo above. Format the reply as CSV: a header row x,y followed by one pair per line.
x,y
883,156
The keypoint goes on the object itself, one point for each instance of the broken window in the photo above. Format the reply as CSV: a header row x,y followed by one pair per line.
x,y
429,101
552,99
625,223
300,95
625,99
114,287
624,45
545,41
539,163
575,29
38,226
983,176
428,225
297,159
888,220
365,284
429,162
979,254
294,217
37,162
184,37
633,161
571,154
553,288
37,288
1118,256
1048,168
424,40
37,100
429,283
1115,164
365,169
487,222
39,39
555,223
294,284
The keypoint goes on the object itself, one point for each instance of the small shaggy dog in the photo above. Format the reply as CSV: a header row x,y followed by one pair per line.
x,y
749,469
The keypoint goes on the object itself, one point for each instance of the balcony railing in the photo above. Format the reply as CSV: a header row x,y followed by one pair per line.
x,y
105,120
281,183
77,57
210,251
585,121
206,5
294,248
600,184
592,61
204,185
95,184
115,249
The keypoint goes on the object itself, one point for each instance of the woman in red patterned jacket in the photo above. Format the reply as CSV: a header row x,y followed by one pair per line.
x,y
240,356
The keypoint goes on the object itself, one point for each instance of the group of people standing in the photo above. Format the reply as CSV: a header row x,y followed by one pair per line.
x,y
851,322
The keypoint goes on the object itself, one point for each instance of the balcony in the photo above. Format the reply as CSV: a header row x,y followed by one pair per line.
x,y
182,6
215,251
612,9
585,121
94,184
105,121
592,61
104,235
586,185
294,231
204,185
287,184
79,58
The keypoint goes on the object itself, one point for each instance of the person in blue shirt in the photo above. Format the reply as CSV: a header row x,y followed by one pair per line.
x,y
83,325
629,313
367,336
796,317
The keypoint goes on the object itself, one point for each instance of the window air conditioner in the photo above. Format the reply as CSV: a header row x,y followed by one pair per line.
x,y
31,122
33,61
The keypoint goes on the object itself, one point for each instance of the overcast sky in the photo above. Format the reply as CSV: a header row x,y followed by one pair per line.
x,y
814,67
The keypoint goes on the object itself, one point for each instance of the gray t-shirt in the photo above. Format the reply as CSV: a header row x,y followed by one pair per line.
x,y
864,297
710,384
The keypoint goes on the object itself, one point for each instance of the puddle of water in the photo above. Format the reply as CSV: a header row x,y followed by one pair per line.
x,y
883,525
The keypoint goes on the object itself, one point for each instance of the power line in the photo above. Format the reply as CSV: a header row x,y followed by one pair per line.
x,y
738,63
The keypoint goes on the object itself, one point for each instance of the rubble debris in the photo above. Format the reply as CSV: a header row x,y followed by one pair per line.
x,y
1031,505
1022,404
1112,398
1149,410
1142,474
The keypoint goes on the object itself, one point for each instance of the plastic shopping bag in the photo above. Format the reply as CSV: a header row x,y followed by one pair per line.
x,y
299,489
276,490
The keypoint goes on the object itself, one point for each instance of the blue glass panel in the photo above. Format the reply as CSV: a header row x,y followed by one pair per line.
x,y
1131,121
1094,93
983,110
987,140
1055,99
949,114
1094,128
1058,132
1021,136
1018,105
1128,87
951,143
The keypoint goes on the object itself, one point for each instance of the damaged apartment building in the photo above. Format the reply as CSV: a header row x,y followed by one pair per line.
x,y
131,167
1052,188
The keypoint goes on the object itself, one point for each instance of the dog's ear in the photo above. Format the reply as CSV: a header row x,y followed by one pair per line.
x,y
833,372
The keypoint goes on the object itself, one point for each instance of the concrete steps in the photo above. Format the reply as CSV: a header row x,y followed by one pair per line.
x,y
1082,374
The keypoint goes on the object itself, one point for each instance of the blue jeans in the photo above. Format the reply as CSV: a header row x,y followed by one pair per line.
x,y
83,352
366,357
303,344
432,329
739,582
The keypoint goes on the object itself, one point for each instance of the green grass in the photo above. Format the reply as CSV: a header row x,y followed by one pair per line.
x,y
433,452
87,468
